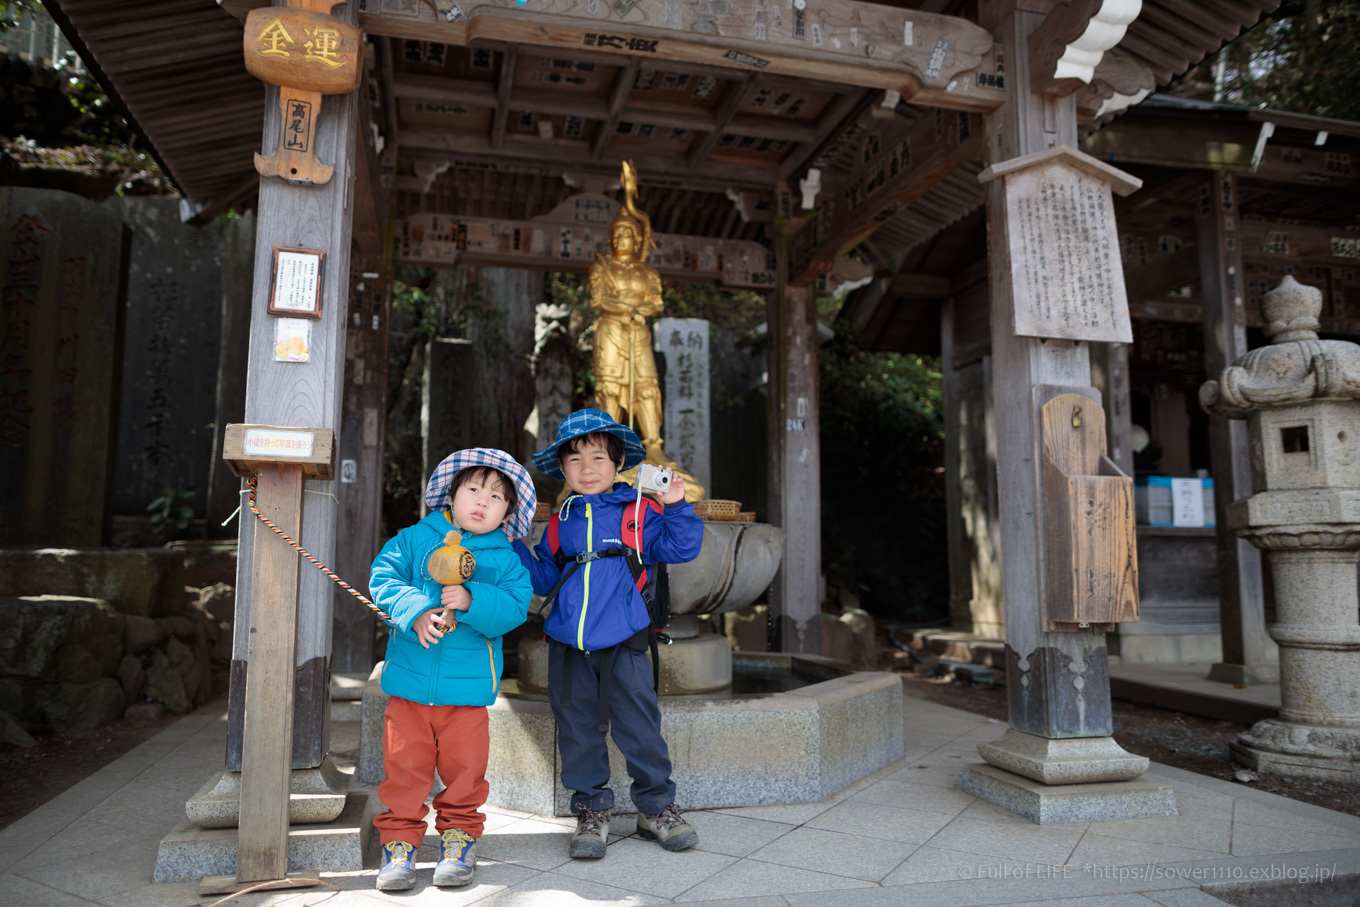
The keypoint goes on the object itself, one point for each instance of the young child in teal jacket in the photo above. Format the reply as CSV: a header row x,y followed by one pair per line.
x,y
441,675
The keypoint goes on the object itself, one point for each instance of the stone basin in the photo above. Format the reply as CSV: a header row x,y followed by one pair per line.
x,y
791,729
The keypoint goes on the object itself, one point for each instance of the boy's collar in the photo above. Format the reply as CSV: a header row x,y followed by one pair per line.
x,y
617,488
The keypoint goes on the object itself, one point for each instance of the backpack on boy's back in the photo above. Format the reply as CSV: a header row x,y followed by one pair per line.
x,y
653,583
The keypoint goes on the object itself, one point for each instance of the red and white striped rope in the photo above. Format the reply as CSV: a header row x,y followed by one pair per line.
x,y
320,566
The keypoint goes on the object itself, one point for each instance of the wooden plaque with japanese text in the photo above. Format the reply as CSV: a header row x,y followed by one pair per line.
x,y
304,49
1064,248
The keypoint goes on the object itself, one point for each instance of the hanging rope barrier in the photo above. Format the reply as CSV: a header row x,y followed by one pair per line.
x,y
316,563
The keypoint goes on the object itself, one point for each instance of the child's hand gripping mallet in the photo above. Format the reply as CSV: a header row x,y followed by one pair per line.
x,y
451,565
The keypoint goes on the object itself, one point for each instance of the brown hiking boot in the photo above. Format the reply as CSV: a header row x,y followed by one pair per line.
x,y
592,834
667,829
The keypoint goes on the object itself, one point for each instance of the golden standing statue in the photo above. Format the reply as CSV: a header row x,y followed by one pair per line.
x,y
625,291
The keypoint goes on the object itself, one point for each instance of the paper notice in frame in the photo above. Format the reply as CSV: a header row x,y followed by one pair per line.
x,y
295,287
291,340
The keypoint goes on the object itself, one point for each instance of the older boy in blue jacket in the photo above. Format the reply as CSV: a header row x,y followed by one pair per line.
x,y
598,628
442,675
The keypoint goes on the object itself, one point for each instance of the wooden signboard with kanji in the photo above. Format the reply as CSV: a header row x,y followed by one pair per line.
x,y
308,54
1063,247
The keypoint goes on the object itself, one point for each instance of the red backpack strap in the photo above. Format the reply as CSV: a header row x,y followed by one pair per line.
x,y
554,543
631,533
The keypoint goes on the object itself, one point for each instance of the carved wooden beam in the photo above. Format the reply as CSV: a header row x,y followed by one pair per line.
x,y
1189,142
559,153
1261,242
930,58
888,182
1067,48
468,93
567,240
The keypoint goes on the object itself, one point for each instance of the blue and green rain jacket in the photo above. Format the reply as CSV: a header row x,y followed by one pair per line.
x,y
463,668
599,606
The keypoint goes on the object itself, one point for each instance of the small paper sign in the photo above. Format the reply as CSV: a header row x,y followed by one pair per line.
x,y
273,444
1187,499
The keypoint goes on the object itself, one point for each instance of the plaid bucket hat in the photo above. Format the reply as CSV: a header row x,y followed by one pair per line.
x,y
437,492
588,422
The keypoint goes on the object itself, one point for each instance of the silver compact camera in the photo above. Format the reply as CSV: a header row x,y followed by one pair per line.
x,y
653,478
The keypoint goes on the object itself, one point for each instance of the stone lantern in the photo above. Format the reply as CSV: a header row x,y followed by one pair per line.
x,y
1301,399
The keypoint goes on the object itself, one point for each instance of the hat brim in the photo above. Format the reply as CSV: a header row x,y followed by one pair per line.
x,y
545,461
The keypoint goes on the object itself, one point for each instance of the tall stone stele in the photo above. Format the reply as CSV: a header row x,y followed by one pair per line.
x,y
1301,399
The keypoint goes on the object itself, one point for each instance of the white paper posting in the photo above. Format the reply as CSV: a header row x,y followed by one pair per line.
x,y
1187,499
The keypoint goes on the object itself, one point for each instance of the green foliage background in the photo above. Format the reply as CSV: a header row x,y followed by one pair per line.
x,y
1301,58
59,129
883,513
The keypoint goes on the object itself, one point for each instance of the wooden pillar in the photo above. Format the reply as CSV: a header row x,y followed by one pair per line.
x,y
503,334
795,460
262,851
302,394
359,470
1042,666
975,600
956,540
1241,603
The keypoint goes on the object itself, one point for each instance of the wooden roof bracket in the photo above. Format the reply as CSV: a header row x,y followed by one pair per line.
x,y
1066,49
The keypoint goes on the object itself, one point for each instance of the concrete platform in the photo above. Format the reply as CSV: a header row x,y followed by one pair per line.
x,y
758,749
1186,688
902,835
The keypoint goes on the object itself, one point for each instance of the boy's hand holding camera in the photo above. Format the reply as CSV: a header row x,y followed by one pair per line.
x,y
676,492
431,626
668,486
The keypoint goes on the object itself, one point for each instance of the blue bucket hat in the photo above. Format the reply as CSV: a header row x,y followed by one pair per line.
x,y
588,422
516,523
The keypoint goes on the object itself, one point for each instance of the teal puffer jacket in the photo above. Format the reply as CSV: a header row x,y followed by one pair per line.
x,y
463,668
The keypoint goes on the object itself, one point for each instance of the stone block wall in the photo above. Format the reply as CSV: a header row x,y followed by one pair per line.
x,y
88,635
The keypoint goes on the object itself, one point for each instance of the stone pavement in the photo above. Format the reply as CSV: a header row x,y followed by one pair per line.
x,y
903,835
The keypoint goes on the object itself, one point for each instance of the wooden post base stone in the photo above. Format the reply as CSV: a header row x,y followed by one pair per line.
x,y
306,878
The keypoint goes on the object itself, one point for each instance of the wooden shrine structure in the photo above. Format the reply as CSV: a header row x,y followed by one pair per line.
x,y
1233,199
773,140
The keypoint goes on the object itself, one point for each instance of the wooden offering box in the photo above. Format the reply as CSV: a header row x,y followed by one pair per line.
x,y
247,448
1090,553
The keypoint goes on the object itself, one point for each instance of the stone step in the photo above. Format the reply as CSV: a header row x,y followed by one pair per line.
x,y
956,646
190,853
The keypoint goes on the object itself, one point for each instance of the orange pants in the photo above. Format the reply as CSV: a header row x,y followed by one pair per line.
x,y
417,740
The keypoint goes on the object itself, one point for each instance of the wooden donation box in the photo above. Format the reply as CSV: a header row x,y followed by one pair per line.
x,y
1068,284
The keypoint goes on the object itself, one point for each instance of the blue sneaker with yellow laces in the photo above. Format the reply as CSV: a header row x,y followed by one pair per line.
x,y
457,858
398,871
